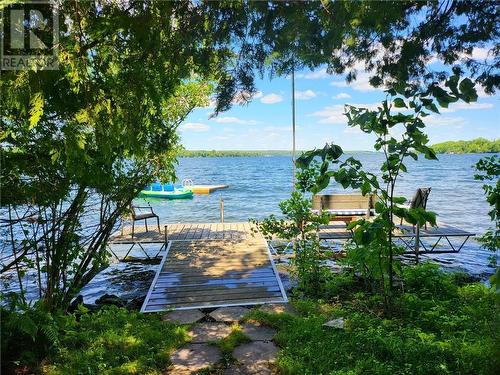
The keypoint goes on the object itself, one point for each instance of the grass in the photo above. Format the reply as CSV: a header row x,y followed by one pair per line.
x,y
439,326
235,338
116,341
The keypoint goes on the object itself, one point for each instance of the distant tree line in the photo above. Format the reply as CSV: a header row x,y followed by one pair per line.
x,y
478,145
232,153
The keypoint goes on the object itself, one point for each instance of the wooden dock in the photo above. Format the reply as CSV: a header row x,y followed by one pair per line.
x,y
184,231
407,236
206,189
208,265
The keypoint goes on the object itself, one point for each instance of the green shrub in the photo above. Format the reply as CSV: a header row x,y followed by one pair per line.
x,y
442,327
117,341
111,341
28,334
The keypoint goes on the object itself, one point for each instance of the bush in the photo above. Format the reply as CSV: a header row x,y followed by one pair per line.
x,y
117,341
28,334
443,327
111,341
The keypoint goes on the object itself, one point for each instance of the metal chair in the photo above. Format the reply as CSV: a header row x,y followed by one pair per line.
x,y
419,200
139,214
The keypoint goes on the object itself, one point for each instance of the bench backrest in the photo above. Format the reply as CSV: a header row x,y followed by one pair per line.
x,y
420,198
343,202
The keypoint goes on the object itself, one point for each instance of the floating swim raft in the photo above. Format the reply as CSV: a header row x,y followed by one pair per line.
x,y
166,191
206,189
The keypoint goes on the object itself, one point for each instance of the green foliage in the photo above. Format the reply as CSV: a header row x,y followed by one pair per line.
x,y
235,338
28,334
395,41
110,341
95,131
372,251
489,171
443,327
478,145
80,142
116,341
300,225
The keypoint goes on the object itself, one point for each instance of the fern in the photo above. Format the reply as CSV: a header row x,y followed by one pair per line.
x,y
51,332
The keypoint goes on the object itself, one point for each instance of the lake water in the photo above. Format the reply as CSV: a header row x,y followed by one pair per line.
x,y
258,184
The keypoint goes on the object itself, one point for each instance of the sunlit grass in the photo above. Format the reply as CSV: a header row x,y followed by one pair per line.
x,y
117,341
235,338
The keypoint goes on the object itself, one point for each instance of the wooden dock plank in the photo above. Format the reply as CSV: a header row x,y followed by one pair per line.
x,y
203,287
219,296
206,232
267,281
212,304
232,270
212,298
216,281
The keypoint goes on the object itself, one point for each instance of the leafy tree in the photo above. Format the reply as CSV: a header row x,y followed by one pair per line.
x,y
489,171
396,41
404,110
78,143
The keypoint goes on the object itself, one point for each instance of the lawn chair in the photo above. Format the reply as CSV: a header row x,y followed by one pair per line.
x,y
143,213
419,200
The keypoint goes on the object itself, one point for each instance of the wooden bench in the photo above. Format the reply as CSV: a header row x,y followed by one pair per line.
x,y
345,206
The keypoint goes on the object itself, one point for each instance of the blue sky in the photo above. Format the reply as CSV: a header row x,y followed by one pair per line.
x,y
265,123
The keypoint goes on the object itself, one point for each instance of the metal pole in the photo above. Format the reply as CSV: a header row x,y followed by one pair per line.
x,y
293,128
221,209
417,243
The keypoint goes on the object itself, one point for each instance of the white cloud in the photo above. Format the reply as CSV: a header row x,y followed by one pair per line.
x,y
461,105
234,120
479,53
335,114
353,130
281,129
194,126
445,121
305,95
331,115
258,95
342,95
362,83
271,99
316,74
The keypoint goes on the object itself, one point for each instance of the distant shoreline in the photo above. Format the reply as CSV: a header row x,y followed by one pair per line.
x,y
474,146
266,153
243,153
